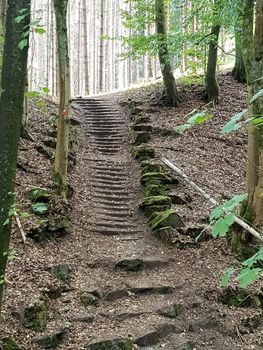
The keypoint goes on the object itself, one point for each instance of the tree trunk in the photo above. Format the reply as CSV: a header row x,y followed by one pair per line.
x,y
212,87
61,158
86,55
239,71
252,209
172,98
101,58
13,81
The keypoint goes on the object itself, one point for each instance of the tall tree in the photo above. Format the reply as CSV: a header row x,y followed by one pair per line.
x,y
172,98
212,87
61,158
13,80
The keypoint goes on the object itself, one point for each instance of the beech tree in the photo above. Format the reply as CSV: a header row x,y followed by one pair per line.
x,y
61,157
172,98
13,80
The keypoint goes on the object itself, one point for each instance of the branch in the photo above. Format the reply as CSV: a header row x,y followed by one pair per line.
x,y
19,225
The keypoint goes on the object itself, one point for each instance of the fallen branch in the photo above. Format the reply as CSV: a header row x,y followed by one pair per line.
x,y
239,221
19,225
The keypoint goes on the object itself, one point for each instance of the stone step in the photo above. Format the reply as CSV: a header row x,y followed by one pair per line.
x,y
115,232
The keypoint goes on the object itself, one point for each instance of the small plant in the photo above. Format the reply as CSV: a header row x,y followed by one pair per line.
x,y
196,118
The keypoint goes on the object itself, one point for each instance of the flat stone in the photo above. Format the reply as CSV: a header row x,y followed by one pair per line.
x,y
171,311
88,299
165,219
155,201
129,265
116,294
114,344
60,272
153,338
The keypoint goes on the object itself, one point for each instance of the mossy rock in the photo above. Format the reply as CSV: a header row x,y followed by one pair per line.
x,y
114,344
58,223
60,272
38,194
238,297
45,151
129,265
9,344
164,219
89,299
148,211
141,120
149,167
165,234
35,317
136,110
171,311
159,178
140,137
142,127
154,190
156,200
143,152
52,341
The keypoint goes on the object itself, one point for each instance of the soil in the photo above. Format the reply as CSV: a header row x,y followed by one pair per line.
x,y
107,226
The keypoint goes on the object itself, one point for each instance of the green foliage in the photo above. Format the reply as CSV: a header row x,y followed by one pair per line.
x,y
222,218
195,119
39,208
236,122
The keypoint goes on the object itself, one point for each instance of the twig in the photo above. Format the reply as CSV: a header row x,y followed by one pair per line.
x,y
240,222
19,225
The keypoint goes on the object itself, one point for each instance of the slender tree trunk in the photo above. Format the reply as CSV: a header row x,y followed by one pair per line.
x,y
61,158
101,58
11,111
172,98
212,87
86,55
239,71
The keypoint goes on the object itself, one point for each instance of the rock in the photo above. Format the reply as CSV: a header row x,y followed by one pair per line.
x,y
129,265
143,152
38,194
203,324
140,137
116,294
84,319
171,311
52,341
148,211
158,178
142,127
253,322
45,151
165,219
88,299
54,293
51,143
156,201
154,190
35,317
141,120
58,223
141,290
153,338
188,345
177,200
95,292
163,131
165,234
150,167
114,344
9,344
42,234
60,272
136,110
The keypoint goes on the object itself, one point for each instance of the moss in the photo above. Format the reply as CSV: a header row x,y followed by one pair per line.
x,y
149,167
153,178
154,190
156,200
164,219
141,120
148,211
38,194
143,152
9,344
140,137
35,317
115,344
142,127
235,297
164,234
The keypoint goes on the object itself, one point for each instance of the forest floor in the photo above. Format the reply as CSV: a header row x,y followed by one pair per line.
x,y
97,300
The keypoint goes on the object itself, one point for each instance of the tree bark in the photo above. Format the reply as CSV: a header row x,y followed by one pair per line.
x,y
61,158
172,98
212,87
13,79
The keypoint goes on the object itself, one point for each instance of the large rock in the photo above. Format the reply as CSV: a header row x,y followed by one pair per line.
x,y
165,219
53,340
156,200
35,317
114,344
171,311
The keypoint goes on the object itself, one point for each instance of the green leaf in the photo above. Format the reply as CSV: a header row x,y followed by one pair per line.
x,y
199,118
217,212
180,129
22,44
39,208
229,219
220,228
24,215
232,124
226,276
45,90
254,259
248,276
32,94
40,30
256,96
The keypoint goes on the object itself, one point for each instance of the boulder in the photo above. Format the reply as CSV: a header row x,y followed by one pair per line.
x,y
165,219
114,344
35,317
